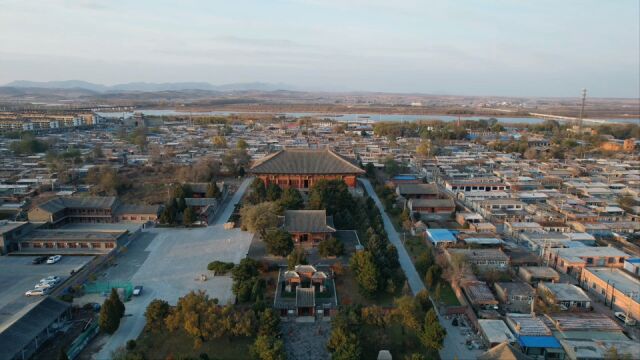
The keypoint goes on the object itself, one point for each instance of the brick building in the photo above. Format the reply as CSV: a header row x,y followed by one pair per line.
x,y
301,168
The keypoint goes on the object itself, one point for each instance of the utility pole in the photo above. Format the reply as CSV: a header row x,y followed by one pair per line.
x,y
584,98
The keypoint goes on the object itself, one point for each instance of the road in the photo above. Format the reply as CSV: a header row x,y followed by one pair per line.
x,y
168,261
454,343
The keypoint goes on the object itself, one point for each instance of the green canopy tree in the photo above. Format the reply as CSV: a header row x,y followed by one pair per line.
x,y
279,242
367,274
260,217
432,334
291,199
267,347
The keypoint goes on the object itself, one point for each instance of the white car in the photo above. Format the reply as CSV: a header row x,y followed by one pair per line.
x,y
45,285
50,279
37,292
54,259
624,318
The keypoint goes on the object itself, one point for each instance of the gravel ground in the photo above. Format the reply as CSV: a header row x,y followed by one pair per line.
x,y
306,341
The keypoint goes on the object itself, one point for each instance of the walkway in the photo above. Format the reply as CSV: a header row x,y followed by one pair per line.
x,y
454,343
169,263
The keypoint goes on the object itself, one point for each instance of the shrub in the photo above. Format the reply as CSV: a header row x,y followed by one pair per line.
x,y
220,267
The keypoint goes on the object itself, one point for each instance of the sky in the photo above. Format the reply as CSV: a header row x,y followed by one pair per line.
x,y
462,47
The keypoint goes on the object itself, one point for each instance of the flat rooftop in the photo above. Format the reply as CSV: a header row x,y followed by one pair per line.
x,y
66,235
618,278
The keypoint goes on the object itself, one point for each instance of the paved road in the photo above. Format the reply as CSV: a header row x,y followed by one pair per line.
x,y
454,343
415,282
168,264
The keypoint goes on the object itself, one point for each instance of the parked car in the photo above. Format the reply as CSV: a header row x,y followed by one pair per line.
x,y
52,278
54,259
137,290
45,285
36,292
39,260
624,318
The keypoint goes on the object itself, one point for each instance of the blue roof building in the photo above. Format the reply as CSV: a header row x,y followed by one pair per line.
x,y
440,236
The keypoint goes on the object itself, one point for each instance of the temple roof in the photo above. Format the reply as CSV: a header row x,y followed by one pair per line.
x,y
305,161
308,221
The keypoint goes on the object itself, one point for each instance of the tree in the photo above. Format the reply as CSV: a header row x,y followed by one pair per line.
x,y
195,314
423,149
291,199
115,298
28,145
242,144
330,195
408,311
433,276
235,159
273,192
415,356
213,191
279,243
245,276
109,318
269,323
344,345
366,271
157,311
432,334
258,192
331,247
267,347
188,217
391,167
374,316
260,217
297,257
219,142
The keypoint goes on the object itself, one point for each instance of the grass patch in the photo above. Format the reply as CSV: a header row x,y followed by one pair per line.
x,y
447,296
180,345
416,246
400,343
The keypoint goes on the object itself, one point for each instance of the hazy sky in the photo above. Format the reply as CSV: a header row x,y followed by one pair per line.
x,y
481,47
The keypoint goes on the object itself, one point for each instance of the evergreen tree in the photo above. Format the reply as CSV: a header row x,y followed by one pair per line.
x,y
115,298
279,242
366,271
109,318
291,199
432,334
273,192
213,191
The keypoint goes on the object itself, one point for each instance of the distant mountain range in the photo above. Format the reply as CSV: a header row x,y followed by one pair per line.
x,y
148,87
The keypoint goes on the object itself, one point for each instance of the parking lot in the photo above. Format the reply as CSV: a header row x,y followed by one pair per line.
x,y
18,274
168,263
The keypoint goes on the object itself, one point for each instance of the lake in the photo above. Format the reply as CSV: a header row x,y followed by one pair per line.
x,y
352,117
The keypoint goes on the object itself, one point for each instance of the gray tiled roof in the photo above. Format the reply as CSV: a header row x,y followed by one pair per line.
x,y
78,202
305,297
435,203
303,161
308,221
418,189
16,333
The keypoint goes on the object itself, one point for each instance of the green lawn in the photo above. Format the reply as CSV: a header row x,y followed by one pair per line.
x,y
447,296
180,345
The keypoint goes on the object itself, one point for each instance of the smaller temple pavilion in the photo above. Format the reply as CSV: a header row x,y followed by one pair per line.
x,y
301,168
304,291
307,227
